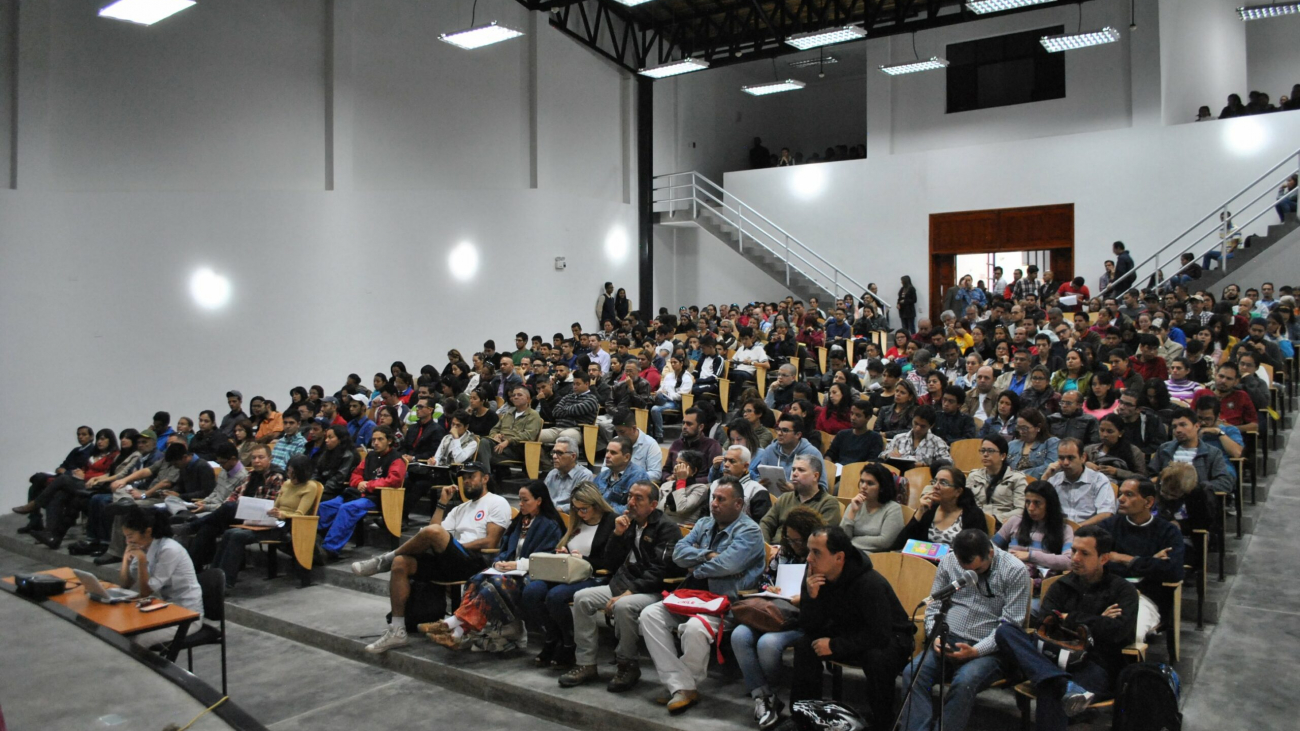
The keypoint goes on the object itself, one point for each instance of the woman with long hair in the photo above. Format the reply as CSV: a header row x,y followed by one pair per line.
x,y
907,304
1102,397
682,499
1004,420
935,383
898,351
834,416
677,382
492,603
1039,535
546,604
244,440
335,463
896,418
481,417
185,428
874,518
998,487
621,304
947,508
69,486
1114,456
1179,386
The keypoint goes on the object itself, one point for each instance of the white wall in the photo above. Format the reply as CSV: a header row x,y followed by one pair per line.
x,y
145,153
1272,58
1202,55
693,268
1143,186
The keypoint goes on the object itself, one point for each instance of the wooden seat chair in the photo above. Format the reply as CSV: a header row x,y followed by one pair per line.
x,y
829,470
917,479
966,454
531,462
302,538
848,482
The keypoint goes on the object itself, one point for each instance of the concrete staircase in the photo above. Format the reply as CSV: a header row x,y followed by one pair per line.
x,y
713,219
1253,248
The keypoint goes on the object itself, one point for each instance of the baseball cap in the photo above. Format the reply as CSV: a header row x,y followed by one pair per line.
x,y
149,433
236,394
470,467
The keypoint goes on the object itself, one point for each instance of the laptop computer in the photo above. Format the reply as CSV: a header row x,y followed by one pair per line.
x,y
97,592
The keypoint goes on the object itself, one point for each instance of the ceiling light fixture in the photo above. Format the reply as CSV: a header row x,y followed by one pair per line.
x,y
805,62
1071,41
632,3
912,67
144,12
804,41
1263,12
673,68
484,35
981,7
772,87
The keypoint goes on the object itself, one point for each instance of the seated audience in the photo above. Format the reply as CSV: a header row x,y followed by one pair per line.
x,y
896,417
1147,548
683,498
873,518
264,481
545,603
620,472
857,443
1001,598
1102,398
334,464
919,444
789,444
803,489
1142,426
1086,494
1114,456
1038,535
848,613
641,546
381,467
1089,596
1188,446
999,488
734,463
58,491
567,473
951,424
1005,418
1034,447
296,498
1216,433
677,381
290,444
693,437
1039,394
982,400
516,423
448,549
1181,387
747,357
722,554
570,413
205,441
1072,422
646,452
945,511
834,416
759,653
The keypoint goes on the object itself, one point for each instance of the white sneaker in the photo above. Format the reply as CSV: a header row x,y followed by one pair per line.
x,y
371,566
394,637
1076,700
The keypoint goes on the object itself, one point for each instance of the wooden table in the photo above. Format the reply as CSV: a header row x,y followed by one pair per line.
x,y
123,618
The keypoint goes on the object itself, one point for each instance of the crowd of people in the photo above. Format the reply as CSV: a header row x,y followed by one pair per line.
x,y
1260,103
1106,431
761,157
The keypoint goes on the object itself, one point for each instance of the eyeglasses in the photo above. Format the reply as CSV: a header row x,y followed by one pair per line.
x,y
582,508
990,452
784,430
558,453
940,482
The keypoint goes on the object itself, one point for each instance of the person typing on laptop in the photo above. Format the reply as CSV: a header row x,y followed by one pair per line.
x,y
157,566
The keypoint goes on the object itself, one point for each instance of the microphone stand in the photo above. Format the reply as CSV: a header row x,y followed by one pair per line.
x,y
939,631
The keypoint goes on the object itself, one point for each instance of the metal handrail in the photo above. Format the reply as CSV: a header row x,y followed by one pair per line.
x,y
837,278
1209,216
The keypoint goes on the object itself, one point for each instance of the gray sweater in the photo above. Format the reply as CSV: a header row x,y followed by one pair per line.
x,y
872,532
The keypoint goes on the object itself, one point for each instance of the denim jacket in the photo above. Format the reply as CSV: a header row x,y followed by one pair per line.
x,y
740,559
1041,455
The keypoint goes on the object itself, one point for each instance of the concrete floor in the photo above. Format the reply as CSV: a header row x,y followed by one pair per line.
x,y
1247,678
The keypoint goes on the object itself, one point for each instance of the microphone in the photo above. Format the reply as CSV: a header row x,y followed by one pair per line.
x,y
967,579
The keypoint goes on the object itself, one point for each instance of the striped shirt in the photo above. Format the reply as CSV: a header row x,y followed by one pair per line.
x,y
1002,594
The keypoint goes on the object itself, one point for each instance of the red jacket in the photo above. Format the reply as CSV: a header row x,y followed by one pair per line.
x,y
379,471
1156,368
1236,409
830,423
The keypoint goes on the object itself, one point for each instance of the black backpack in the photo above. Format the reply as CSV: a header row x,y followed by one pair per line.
x,y
1146,699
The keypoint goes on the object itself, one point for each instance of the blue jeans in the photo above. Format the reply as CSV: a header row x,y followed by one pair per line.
x,y
340,520
968,680
100,525
759,656
1284,207
1019,648
1212,256
657,415
546,605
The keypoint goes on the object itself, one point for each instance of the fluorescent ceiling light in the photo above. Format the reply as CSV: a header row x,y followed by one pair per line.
x,y
996,6
1069,42
805,62
144,12
911,67
484,35
1262,12
773,87
673,68
804,41
632,3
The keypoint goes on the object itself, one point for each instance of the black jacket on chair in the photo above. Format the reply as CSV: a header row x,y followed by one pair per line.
x,y
654,556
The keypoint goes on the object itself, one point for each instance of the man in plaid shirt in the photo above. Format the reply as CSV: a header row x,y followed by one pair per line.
x,y
290,444
1026,285
1000,595
919,444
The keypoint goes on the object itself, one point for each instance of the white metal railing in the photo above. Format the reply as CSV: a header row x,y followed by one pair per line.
x,y
1224,223
694,190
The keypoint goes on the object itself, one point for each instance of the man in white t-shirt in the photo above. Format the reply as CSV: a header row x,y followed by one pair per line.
x,y
448,549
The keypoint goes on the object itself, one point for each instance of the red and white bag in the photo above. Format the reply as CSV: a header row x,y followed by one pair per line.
x,y
694,603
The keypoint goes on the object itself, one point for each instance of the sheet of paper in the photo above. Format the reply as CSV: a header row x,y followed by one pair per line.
x,y
774,476
789,581
494,572
1069,300
253,510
